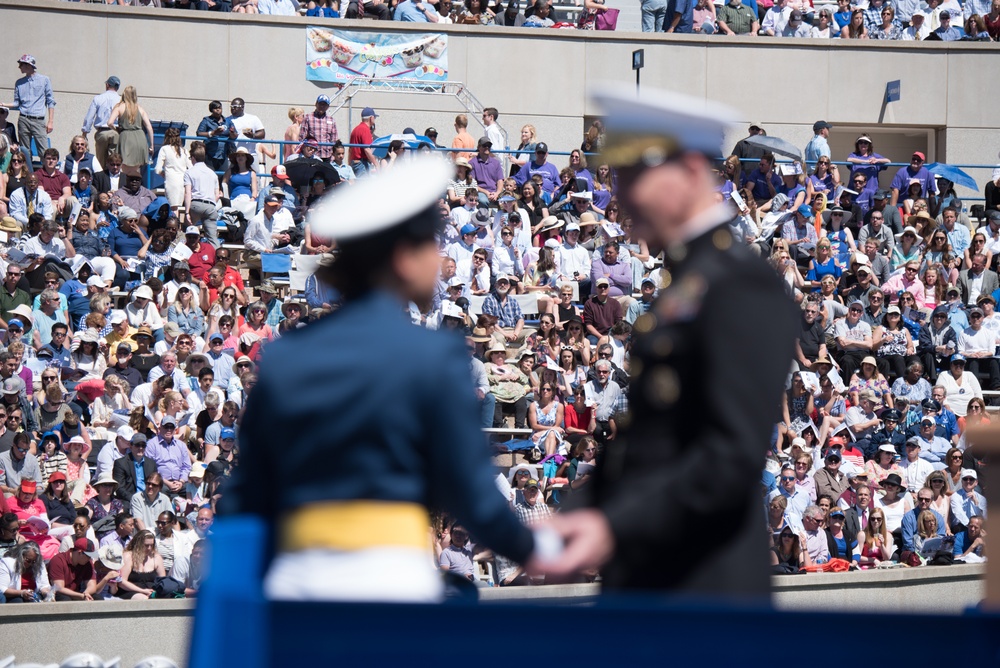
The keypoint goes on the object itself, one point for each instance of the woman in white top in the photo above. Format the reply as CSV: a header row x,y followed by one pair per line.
x,y
87,356
172,163
143,312
895,502
960,386
617,337
24,558
115,398
822,28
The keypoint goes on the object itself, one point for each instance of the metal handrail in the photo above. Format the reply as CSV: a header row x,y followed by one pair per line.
x,y
283,142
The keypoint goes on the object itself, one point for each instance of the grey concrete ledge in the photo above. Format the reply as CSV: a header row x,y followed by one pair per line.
x,y
892,577
40,632
57,611
819,583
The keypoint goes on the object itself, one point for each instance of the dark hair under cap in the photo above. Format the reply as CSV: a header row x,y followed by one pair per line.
x,y
362,261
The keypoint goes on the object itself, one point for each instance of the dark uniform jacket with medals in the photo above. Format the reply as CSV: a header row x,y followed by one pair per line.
x,y
681,485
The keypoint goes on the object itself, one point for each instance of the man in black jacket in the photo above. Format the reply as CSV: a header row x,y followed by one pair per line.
x,y
125,469
748,152
937,342
708,369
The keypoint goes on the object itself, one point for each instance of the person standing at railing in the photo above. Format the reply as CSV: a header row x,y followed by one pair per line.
x,y
242,125
319,125
106,139
172,163
462,138
201,192
915,170
32,96
363,158
493,131
212,128
818,146
133,130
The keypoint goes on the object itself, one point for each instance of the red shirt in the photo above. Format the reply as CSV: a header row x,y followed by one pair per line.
x,y
362,134
202,260
54,184
577,420
34,509
231,279
74,576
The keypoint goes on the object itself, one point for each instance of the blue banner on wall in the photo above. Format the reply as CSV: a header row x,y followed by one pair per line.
x,y
340,55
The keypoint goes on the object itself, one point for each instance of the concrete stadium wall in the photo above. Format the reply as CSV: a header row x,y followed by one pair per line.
x,y
132,630
179,61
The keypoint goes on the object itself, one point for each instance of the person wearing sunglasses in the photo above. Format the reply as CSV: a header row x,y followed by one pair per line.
x,y
19,466
818,146
978,344
853,335
914,170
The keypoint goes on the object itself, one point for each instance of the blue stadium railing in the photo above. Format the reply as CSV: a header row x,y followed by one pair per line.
x,y
443,149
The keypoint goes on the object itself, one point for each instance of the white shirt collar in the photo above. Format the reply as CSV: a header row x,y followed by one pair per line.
x,y
704,221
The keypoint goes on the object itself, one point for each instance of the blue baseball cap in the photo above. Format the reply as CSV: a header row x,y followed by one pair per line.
x,y
958,357
15,322
508,198
227,433
216,336
805,210
468,228
323,99
368,112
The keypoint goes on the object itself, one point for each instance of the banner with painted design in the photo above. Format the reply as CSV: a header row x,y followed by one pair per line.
x,y
340,55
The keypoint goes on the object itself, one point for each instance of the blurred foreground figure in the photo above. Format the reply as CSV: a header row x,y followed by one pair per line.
x,y
709,362
360,444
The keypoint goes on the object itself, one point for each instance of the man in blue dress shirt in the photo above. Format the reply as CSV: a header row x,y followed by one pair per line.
x,y
363,443
947,32
106,139
32,96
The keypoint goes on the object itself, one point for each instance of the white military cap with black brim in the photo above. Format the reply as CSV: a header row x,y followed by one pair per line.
x,y
400,201
658,125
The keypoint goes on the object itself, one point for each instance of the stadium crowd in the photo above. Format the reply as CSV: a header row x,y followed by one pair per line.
x,y
131,332
951,20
